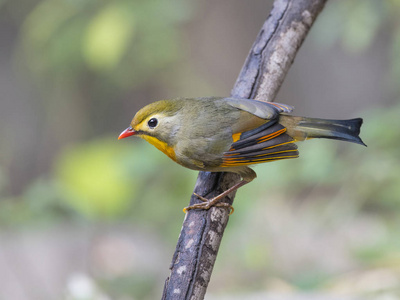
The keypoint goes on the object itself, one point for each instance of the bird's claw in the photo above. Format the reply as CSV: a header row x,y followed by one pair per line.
x,y
207,204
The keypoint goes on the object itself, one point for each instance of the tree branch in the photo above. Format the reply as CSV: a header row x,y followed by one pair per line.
x,y
260,78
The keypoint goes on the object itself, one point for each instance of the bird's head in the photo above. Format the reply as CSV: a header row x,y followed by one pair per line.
x,y
157,123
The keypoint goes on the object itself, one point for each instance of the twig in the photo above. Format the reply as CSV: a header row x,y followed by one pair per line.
x,y
260,78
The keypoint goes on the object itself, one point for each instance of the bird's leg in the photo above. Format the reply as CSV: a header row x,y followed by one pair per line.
x,y
208,203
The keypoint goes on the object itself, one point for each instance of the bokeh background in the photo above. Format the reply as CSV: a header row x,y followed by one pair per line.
x,y
84,216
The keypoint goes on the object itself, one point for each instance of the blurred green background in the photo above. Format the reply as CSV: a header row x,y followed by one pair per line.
x,y
84,216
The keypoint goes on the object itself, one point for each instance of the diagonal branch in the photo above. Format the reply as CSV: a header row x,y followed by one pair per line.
x,y
260,78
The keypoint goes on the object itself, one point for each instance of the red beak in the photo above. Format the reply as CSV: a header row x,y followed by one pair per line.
x,y
127,132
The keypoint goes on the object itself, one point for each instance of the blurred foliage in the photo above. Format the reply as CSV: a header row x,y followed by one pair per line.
x,y
95,180
122,41
354,23
359,24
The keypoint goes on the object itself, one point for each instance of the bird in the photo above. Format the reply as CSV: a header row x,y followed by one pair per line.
x,y
228,134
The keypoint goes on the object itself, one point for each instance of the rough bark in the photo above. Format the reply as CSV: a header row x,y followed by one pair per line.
x,y
260,78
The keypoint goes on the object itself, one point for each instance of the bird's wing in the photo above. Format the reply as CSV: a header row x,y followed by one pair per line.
x,y
264,110
267,142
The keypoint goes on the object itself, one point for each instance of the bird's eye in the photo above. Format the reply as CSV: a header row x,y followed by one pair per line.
x,y
152,122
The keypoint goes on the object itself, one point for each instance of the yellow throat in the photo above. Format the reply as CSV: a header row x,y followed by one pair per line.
x,y
162,146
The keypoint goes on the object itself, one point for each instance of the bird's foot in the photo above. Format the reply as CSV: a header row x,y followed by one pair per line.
x,y
208,203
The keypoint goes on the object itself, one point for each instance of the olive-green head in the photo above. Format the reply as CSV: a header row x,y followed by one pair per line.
x,y
158,120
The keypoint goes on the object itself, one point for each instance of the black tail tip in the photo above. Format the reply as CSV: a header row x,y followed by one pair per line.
x,y
357,122
360,141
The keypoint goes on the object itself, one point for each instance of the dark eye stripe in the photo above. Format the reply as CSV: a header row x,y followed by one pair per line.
x,y
152,122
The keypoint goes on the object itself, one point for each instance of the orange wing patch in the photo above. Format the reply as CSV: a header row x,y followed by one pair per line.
x,y
267,143
236,136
